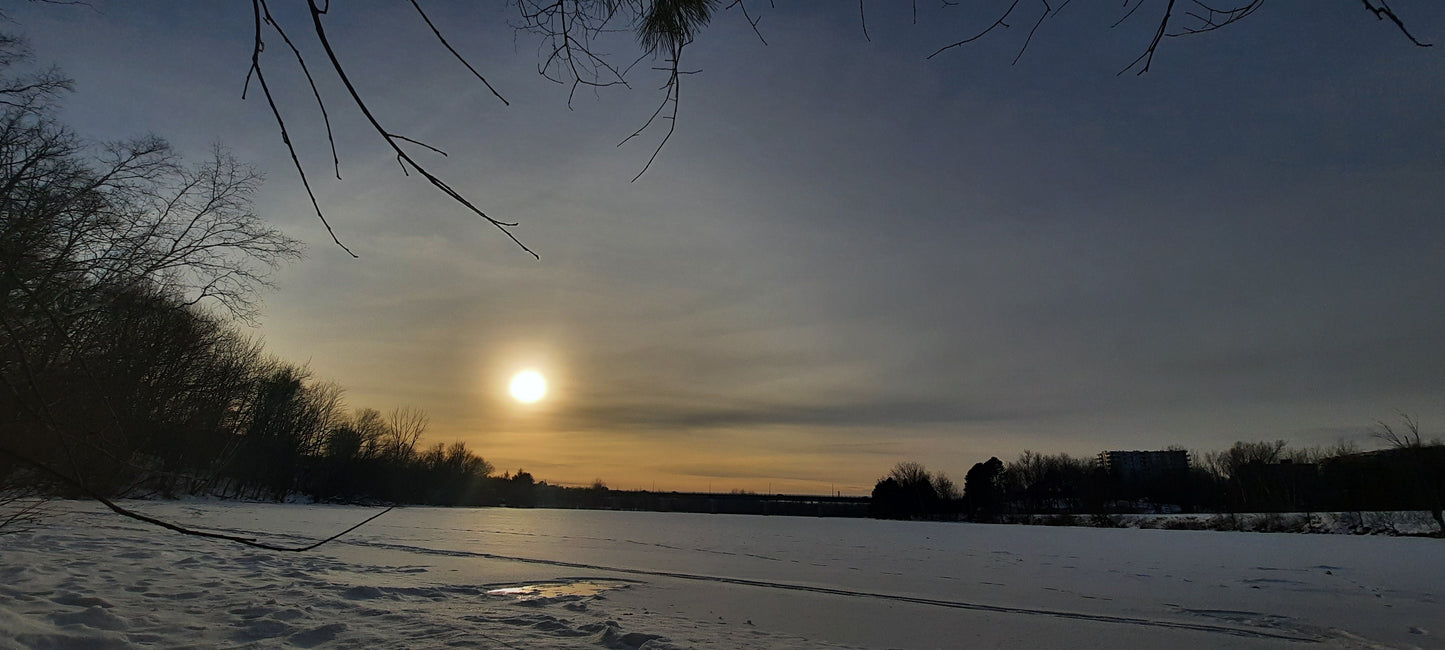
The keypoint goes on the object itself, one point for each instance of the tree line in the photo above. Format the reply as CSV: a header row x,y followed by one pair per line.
x,y
124,276
1262,476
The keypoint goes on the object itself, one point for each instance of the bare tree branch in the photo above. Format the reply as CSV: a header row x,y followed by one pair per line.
x,y
1215,18
19,511
570,53
1000,22
752,22
863,20
672,93
1383,11
256,49
80,485
317,12
301,61
458,56
1147,57
572,31
263,17
1048,11
1409,438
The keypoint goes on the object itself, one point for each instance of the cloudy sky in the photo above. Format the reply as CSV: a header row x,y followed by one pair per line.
x,y
847,255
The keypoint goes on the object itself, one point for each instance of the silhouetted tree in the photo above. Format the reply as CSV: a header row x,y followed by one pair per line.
x,y
910,491
983,489
945,488
1048,483
118,266
1423,464
404,427
451,474
1242,470
518,490
289,421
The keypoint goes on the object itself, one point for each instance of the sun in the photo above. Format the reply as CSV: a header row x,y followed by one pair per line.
x,y
528,386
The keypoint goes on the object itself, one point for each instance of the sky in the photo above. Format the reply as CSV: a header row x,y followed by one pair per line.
x,y
847,255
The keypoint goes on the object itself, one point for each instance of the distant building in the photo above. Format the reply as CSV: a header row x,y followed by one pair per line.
x,y
1139,466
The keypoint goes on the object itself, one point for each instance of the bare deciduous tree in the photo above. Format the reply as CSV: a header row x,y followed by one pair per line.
x,y
404,427
910,473
117,264
1424,461
1226,464
371,426
1407,437
946,488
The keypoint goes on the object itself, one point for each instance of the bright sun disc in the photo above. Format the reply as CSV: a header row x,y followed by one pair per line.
x,y
528,386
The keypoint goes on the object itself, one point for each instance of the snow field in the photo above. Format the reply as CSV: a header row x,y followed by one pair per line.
x,y
500,578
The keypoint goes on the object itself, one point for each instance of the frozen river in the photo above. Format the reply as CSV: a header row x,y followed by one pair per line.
x,y
510,578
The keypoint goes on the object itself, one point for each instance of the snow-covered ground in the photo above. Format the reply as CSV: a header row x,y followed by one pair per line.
x,y
500,578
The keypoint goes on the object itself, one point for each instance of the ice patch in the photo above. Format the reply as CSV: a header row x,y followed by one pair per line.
x,y
557,591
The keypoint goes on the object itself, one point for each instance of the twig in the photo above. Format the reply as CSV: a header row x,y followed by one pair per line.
x,y
1384,11
997,23
863,19
1029,39
447,45
752,22
1148,55
673,94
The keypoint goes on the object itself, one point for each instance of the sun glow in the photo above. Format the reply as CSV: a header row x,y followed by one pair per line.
x,y
528,386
